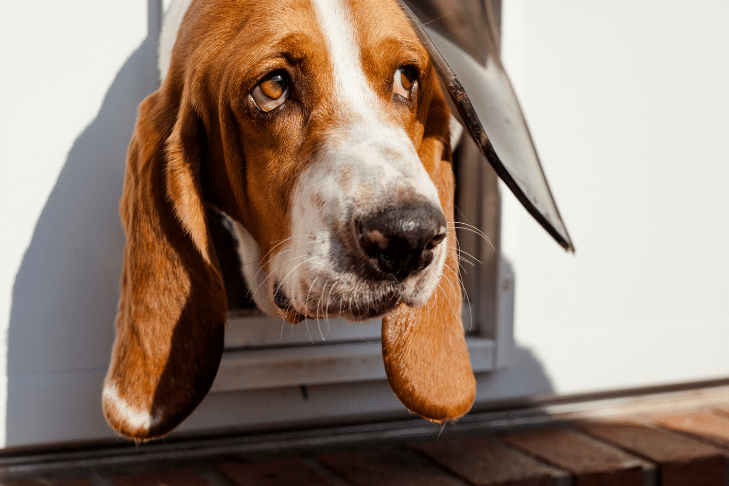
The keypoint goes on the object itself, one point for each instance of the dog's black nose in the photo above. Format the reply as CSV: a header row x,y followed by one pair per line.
x,y
401,240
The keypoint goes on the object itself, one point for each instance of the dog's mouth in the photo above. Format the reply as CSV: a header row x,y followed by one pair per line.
x,y
365,268
326,303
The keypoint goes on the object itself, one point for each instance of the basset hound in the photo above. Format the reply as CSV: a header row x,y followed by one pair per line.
x,y
320,129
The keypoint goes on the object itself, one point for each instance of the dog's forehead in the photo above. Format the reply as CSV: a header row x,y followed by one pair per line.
x,y
372,25
371,20
378,20
375,28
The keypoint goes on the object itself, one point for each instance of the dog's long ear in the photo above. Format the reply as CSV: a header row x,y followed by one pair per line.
x,y
171,315
424,349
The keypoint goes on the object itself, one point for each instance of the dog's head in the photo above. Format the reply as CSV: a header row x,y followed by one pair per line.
x,y
320,129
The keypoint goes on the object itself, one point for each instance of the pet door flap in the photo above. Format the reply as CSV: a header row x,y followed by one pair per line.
x,y
462,40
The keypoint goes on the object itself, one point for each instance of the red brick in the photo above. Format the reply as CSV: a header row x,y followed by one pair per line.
x,y
384,467
171,477
589,462
483,462
272,472
703,425
681,460
723,410
49,482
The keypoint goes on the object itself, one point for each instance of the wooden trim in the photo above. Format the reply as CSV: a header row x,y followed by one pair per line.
x,y
318,365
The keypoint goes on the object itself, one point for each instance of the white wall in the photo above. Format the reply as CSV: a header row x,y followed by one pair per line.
x,y
628,104
73,73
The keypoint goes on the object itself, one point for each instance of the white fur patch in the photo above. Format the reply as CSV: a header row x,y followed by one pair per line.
x,y
250,258
356,98
333,17
135,419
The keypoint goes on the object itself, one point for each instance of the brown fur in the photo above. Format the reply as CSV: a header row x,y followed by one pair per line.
x,y
198,141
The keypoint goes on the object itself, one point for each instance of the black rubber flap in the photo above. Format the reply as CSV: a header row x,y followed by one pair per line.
x,y
462,40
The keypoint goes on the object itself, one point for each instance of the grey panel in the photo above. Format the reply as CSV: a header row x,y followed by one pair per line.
x,y
462,39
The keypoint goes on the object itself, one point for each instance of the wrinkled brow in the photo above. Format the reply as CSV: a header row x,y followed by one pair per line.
x,y
412,51
298,46
294,48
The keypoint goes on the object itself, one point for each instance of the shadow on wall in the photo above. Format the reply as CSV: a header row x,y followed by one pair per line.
x,y
524,377
66,291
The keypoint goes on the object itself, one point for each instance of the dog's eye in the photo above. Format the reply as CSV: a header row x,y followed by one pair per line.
x,y
271,92
404,82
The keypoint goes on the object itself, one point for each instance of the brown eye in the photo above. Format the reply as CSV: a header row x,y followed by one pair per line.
x,y
404,82
271,92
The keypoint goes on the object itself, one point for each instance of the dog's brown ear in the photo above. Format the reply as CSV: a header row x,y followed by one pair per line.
x,y
171,316
424,348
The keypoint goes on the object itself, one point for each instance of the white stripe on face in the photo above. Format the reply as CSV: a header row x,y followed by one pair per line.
x,y
335,23
367,119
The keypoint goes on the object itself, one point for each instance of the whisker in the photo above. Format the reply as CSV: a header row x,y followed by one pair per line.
x,y
260,260
433,304
449,281
463,252
350,306
469,227
297,266
442,428
278,266
427,310
318,306
326,311
276,245
308,333
311,286
462,258
435,20
306,304
464,225
468,300
445,294
341,301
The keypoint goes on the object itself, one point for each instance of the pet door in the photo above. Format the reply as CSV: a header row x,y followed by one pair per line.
x,y
266,357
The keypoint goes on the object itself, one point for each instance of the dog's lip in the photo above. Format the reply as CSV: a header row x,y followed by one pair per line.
x,y
375,308
378,308
285,307
280,298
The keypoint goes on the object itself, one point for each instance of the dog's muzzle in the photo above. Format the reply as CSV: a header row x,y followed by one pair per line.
x,y
383,259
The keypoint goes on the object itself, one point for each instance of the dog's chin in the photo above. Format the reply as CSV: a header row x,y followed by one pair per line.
x,y
337,307
376,304
372,310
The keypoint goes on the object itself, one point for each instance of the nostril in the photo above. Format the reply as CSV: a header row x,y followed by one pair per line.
x,y
401,240
437,239
375,240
